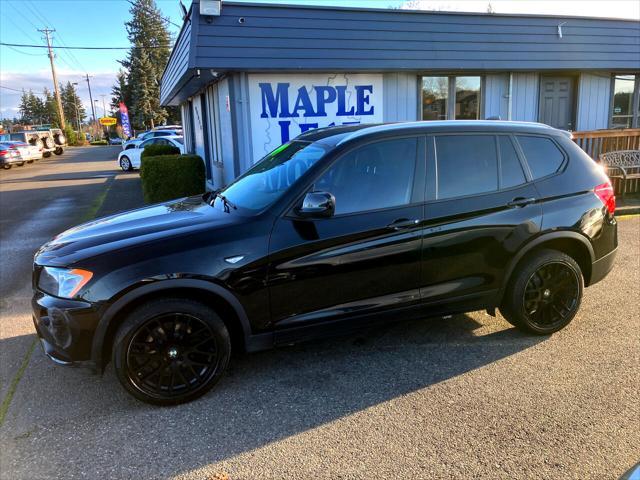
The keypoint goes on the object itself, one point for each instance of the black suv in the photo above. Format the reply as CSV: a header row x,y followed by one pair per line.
x,y
340,228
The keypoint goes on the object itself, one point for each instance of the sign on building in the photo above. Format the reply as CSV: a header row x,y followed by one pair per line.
x,y
284,106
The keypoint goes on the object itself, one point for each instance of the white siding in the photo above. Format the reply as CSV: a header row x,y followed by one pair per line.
x,y
524,97
400,97
496,96
226,132
594,95
185,110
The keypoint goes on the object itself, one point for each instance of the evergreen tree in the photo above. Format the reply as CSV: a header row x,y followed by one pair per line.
x,y
48,109
121,91
70,100
145,63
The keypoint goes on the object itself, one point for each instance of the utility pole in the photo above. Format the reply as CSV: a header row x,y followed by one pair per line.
x,y
46,32
93,110
104,108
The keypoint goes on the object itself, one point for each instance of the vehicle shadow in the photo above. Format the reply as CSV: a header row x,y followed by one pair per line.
x,y
264,398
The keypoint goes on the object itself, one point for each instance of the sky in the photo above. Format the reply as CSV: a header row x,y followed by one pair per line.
x,y
101,23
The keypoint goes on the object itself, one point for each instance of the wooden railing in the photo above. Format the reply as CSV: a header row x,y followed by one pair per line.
x,y
597,142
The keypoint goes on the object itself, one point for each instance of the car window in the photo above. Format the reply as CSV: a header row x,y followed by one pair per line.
x,y
466,165
146,143
378,175
268,179
510,167
161,141
542,155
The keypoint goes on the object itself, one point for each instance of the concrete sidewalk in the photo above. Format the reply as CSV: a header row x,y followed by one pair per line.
x,y
123,193
629,205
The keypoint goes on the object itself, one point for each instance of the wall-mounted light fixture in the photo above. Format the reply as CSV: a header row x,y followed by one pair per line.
x,y
210,8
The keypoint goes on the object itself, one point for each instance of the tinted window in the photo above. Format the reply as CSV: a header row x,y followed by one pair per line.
x,y
379,175
510,167
466,165
268,179
543,156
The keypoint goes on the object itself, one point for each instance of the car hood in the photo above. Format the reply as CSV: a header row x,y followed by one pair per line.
x,y
134,228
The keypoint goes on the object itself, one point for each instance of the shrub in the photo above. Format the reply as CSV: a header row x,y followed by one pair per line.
x,y
99,142
166,177
156,150
72,137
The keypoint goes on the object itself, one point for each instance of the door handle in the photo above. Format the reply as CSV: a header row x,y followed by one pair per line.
x,y
403,223
520,202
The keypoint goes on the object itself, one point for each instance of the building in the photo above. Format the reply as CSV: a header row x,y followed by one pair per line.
x,y
257,75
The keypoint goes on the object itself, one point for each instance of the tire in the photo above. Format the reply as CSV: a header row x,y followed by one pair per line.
x,y
61,139
59,151
49,143
21,164
125,164
39,143
180,338
7,166
46,154
544,293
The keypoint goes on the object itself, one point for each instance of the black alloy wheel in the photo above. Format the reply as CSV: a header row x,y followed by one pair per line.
x,y
551,295
171,351
544,293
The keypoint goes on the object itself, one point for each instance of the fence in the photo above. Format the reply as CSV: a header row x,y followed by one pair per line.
x,y
597,142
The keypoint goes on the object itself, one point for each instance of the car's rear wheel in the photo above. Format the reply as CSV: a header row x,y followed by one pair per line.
x,y
6,166
171,351
125,163
46,154
20,164
544,293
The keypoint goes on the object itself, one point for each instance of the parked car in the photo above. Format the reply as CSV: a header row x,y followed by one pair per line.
x,y
150,134
59,139
338,229
28,152
114,141
131,158
43,140
9,156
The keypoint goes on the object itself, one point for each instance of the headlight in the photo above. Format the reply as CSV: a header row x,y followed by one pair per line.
x,y
63,282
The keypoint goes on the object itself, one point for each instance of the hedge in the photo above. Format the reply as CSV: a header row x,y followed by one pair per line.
x,y
166,177
156,150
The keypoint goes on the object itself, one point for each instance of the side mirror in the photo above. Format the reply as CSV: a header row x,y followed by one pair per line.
x,y
318,204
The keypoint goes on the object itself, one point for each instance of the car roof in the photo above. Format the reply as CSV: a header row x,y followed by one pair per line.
x,y
453,126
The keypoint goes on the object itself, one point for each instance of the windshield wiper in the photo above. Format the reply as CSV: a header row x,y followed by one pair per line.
x,y
211,198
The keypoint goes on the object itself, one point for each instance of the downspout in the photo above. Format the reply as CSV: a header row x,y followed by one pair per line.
x,y
510,102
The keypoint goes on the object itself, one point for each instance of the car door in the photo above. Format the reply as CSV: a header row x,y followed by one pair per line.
x,y
366,257
481,207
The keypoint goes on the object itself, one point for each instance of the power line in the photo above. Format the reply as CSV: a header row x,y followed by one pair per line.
x,y
23,91
58,47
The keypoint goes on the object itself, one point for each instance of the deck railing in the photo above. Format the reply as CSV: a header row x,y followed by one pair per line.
x,y
597,142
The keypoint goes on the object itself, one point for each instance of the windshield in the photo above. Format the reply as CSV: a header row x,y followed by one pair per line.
x,y
268,179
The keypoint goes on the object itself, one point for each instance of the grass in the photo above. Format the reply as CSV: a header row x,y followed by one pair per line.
x,y
4,408
91,213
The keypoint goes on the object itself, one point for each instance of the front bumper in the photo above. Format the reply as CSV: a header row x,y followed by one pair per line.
x,y
601,267
65,327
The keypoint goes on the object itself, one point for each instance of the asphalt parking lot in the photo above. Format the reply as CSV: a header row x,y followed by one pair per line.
x,y
466,397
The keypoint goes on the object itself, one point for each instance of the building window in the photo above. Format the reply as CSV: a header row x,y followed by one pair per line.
x,y
451,97
467,98
435,93
625,108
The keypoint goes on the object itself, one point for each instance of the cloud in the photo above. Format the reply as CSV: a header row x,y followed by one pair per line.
x,y
38,80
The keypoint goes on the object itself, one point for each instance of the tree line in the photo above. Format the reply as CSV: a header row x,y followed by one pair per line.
x,y
38,109
138,81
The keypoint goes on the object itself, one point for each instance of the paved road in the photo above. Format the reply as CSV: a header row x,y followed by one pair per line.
x,y
468,397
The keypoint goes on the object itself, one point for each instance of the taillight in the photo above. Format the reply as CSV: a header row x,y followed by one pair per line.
x,y
4,152
606,196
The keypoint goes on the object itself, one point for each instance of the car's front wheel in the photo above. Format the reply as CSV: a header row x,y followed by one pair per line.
x,y
59,151
171,351
544,293
125,164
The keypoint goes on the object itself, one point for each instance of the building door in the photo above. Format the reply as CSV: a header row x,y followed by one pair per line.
x,y
557,105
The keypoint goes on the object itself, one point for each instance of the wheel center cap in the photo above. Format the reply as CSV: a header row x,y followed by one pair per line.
x,y
546,293
172,352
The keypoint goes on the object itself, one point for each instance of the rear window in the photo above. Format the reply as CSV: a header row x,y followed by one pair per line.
x,y
542,154
466,165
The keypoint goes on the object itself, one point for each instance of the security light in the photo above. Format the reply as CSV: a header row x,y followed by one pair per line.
x,y
210,7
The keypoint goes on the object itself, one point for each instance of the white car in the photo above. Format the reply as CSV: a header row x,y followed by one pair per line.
x,y
150,134
131,158
28,152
